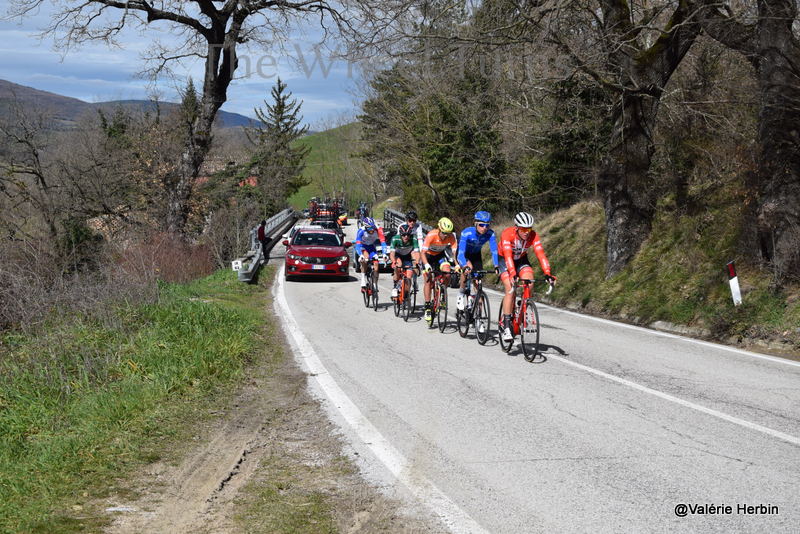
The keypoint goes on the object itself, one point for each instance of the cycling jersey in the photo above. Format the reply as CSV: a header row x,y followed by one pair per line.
x,y
513,248
366,240
472,242
403,249
434,243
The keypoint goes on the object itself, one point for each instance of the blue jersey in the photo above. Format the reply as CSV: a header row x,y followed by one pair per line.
x,y
472,242
365,240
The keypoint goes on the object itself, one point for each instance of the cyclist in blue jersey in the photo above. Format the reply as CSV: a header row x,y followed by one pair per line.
x,y
366,246
469,251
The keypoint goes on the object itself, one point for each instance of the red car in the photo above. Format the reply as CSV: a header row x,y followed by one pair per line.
x,y
316,252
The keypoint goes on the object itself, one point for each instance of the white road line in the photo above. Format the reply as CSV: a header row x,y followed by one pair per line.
x,y
741,422
422,488
664,334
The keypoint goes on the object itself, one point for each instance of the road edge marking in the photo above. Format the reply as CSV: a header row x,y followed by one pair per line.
x,y
688,404
423,489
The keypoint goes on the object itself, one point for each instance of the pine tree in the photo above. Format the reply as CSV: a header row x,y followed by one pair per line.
x,y
275,161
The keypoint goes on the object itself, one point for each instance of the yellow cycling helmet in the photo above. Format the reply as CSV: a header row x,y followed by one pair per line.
x,y
445,225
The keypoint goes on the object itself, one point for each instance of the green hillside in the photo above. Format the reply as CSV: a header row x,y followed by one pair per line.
x,y
332,165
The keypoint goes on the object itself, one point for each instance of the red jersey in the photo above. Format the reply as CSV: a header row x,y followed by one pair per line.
x,y
513,247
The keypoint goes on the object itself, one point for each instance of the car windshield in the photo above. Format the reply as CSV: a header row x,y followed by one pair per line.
x,y
316,239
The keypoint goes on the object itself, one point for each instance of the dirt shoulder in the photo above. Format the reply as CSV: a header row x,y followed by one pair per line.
x,y
269,462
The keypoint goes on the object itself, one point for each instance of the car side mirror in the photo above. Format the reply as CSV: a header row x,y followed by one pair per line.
x,y
285,242
347,244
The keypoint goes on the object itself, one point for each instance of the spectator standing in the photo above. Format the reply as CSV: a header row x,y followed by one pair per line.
x,y
262,238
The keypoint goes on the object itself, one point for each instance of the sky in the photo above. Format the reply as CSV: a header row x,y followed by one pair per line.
x,y
96,72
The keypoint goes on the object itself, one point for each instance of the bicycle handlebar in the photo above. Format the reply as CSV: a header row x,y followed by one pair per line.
x,y
524,281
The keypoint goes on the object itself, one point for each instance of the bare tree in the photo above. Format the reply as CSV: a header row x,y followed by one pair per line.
x,y
210,29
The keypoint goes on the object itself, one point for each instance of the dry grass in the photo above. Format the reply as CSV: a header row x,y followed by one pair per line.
x,y
35,286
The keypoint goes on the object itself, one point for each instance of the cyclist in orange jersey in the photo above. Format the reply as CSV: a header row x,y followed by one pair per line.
x,y
515,241
437,253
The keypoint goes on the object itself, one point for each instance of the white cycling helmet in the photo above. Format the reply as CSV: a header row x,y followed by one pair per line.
x,y
523,219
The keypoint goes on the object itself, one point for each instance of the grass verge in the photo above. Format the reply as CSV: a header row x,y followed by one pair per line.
x,y
84,404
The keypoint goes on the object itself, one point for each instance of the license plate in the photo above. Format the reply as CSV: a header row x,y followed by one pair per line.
x,y
318,267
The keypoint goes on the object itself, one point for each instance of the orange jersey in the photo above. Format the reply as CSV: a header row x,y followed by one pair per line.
x,y
513,247
434,244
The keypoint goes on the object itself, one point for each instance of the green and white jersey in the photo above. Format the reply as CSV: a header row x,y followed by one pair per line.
x,y
404,249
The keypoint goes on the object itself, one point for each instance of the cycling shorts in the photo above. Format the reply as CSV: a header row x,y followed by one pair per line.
x,y
408,261
476,260
437,260
519,265
371,249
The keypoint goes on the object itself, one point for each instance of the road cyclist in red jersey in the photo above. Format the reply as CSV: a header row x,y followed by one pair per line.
x,y
515,241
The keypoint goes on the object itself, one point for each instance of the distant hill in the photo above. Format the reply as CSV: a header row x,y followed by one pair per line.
x,y
67,110
333,164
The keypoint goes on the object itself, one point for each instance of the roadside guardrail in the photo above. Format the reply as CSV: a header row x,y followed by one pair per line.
x,y
393,218
247,266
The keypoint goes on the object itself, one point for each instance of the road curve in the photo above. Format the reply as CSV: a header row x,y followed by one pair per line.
x,y
612,433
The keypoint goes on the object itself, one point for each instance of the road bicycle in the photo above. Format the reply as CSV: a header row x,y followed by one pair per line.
x,y
370,291
439,300
524,320
476,312
406,300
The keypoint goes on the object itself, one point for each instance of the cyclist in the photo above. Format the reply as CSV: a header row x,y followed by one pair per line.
x,y
469,251
403,253
366,241
416,227
514,244
437,253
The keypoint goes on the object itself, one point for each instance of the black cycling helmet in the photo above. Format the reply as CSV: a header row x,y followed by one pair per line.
x,y
411,215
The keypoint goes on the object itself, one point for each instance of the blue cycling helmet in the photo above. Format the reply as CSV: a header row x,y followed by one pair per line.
x,y
483,216
369,223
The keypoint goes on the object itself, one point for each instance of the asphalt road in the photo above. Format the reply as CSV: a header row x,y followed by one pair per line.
x,y
617,428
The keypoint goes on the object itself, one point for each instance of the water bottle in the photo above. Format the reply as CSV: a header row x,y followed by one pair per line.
x,y
470,302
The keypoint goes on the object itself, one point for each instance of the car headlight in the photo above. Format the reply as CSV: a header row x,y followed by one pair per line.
x,y
293,256
342,258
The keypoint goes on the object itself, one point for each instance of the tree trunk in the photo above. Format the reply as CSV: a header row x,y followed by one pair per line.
x,y
770,45
778,69
221,62
623,180
643,73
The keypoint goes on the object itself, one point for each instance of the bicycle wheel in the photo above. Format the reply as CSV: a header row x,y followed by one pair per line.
x,y
399,299
463,320
434,306
529,331
481,315
504,345
374,289
410,300
441,314
366,291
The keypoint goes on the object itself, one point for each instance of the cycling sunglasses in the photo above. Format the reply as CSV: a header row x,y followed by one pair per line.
x,y
483,225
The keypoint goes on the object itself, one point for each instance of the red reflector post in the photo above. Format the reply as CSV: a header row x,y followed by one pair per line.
x,y
731,269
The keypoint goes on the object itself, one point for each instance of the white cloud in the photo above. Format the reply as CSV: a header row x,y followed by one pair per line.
x,y
96,72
